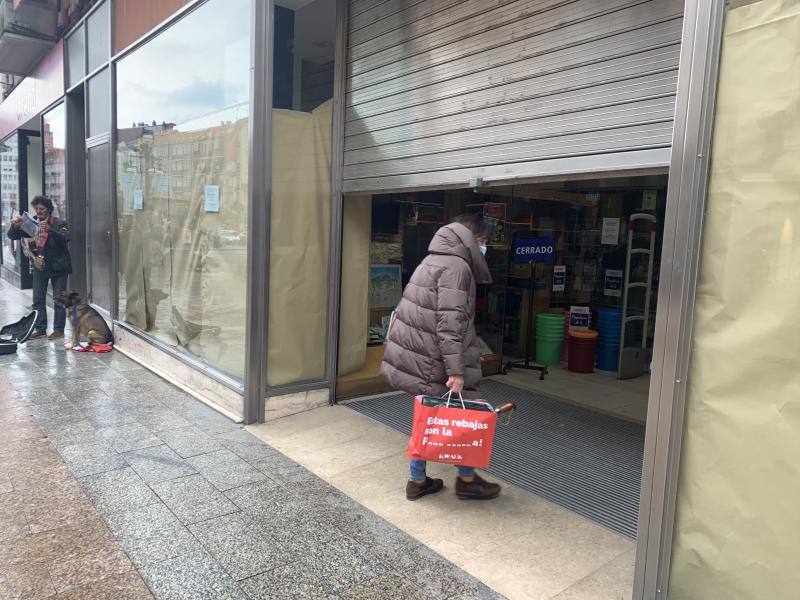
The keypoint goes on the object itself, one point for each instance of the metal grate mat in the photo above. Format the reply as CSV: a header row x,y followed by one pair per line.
x,y
586,462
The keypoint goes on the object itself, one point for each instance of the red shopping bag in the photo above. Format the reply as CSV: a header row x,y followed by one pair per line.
x,y
451,434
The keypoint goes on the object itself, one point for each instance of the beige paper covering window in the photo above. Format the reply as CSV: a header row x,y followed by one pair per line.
x,y
354,315
738,511
183,268
299,244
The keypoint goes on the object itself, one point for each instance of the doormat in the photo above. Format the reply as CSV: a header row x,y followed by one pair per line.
x,y
586,462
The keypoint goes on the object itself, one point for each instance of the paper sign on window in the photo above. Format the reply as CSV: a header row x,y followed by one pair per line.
x,y
559,278
211,198
613,286
579,317
649,199
610,232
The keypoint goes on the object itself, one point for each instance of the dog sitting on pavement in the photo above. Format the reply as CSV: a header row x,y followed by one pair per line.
x,y
87,324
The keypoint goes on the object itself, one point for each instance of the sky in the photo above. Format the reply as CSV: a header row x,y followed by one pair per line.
x,y
185,72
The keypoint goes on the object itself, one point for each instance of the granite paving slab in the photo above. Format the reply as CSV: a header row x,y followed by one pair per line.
x,y
158,463
72,433
189,441
151,534
240,545
193,499
117,491
225,470
245,445
91,458
194,574
128,437
291,580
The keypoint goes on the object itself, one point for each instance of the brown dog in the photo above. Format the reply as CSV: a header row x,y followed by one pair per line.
x,y
87,324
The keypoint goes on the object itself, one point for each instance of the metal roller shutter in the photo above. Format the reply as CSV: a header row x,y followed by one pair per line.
x,y
442,91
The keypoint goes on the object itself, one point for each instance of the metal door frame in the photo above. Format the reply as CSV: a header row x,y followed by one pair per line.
x,y
686,192
94,142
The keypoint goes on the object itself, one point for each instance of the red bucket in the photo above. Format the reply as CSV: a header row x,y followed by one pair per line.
x,y
581,352
565,345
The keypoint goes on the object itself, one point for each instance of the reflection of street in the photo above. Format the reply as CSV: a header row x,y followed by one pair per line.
x,y
201,308
183,252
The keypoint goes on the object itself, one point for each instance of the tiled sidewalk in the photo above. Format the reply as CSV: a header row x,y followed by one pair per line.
x,y
116,484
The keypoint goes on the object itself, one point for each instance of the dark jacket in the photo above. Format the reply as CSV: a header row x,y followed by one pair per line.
x,y
57,260
433,335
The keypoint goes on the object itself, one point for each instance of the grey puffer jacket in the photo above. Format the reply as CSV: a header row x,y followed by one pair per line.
x,y
433,336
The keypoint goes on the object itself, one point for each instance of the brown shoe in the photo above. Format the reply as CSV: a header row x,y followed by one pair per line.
x,y
417,489
55,335
39,333
477,489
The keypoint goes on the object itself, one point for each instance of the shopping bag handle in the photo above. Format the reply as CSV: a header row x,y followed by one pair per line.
x,y
449,395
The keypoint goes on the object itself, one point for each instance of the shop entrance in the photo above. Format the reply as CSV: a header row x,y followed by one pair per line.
x,y
584,310
21,176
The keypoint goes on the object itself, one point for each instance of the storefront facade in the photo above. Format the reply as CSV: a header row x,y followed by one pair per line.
x,y
32,160
227,190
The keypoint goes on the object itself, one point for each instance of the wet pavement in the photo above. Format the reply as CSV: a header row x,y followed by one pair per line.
x,y
116,484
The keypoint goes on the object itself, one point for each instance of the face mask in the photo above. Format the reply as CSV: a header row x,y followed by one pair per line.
x,y
483,250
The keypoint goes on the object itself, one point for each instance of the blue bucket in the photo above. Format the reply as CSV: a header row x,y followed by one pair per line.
x,y
607,357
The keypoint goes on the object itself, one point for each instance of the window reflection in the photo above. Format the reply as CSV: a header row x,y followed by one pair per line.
x,y
9,198
76,56
303,65
55,138
182,153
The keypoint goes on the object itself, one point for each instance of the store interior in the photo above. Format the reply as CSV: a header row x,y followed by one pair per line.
x,y
573,264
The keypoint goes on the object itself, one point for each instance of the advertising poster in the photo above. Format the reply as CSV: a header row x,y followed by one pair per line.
x,y
138,200
385,286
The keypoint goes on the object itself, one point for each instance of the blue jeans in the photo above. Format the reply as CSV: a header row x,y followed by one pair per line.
x,y
40,281
418,470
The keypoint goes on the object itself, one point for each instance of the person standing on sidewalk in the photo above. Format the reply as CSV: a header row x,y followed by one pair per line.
x,y
432,345
50,262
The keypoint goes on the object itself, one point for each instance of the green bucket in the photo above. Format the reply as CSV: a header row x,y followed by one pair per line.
x,y
549,338
548,352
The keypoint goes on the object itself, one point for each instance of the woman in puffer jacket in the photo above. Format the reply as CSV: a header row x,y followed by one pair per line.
x,y
432,346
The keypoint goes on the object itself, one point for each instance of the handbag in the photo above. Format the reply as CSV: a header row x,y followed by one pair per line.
x,y
458,432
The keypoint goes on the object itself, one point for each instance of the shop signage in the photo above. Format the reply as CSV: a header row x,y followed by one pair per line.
x,y
536,249
559,278
579,317
37,91
613,286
